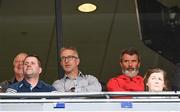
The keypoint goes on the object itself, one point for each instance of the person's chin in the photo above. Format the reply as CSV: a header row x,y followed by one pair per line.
x,y
29,76
29,73
68,70
131,74
157,90
19,72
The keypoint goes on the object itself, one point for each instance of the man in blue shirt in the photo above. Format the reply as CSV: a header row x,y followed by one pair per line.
x,y
31,83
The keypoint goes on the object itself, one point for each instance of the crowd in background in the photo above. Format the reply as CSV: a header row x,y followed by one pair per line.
x,y
27,70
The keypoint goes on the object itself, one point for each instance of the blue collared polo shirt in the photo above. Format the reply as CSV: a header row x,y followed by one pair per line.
x,y
24,86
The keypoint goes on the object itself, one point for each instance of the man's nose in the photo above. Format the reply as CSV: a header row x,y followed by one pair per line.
x,y
130,64
21,63
65,60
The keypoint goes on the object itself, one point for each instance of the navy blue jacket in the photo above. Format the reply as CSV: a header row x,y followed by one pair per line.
x,y
24,86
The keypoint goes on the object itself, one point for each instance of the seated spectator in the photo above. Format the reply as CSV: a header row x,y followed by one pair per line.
x,y
18,71
31,83
74,80
130,80
156,80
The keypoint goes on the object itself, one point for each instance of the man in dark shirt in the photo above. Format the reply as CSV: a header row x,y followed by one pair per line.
x,y
18,72
31,83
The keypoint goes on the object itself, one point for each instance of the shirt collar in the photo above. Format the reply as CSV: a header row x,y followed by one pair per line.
x,y
39,84
79,75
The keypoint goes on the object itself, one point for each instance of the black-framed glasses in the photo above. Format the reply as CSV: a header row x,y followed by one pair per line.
x,y
68,58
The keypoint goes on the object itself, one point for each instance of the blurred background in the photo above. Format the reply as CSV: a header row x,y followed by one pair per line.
x,y
30,26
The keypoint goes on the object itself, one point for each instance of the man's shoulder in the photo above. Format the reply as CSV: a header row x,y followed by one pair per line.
x,y
46,86
139,77
85,75
6,83
117,77
120,76
89,76
15,85
123,76
44,83
61,80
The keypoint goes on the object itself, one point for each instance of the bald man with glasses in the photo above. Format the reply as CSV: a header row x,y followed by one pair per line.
x,y
74,80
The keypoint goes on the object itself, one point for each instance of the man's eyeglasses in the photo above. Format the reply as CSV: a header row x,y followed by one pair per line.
x,y
68,58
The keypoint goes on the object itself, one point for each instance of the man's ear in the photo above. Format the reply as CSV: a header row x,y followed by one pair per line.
x,y
120,63
40,70
60,63
78,61
139,64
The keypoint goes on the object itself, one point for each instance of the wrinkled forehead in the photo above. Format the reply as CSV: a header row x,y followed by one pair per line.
x,y
68,52
157,74
31,59
130,57
19,58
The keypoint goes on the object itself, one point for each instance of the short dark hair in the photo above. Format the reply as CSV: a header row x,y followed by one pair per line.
x,y
130,51
37,57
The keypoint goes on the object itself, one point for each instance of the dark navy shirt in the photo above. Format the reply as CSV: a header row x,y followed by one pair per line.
x,y
24,86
